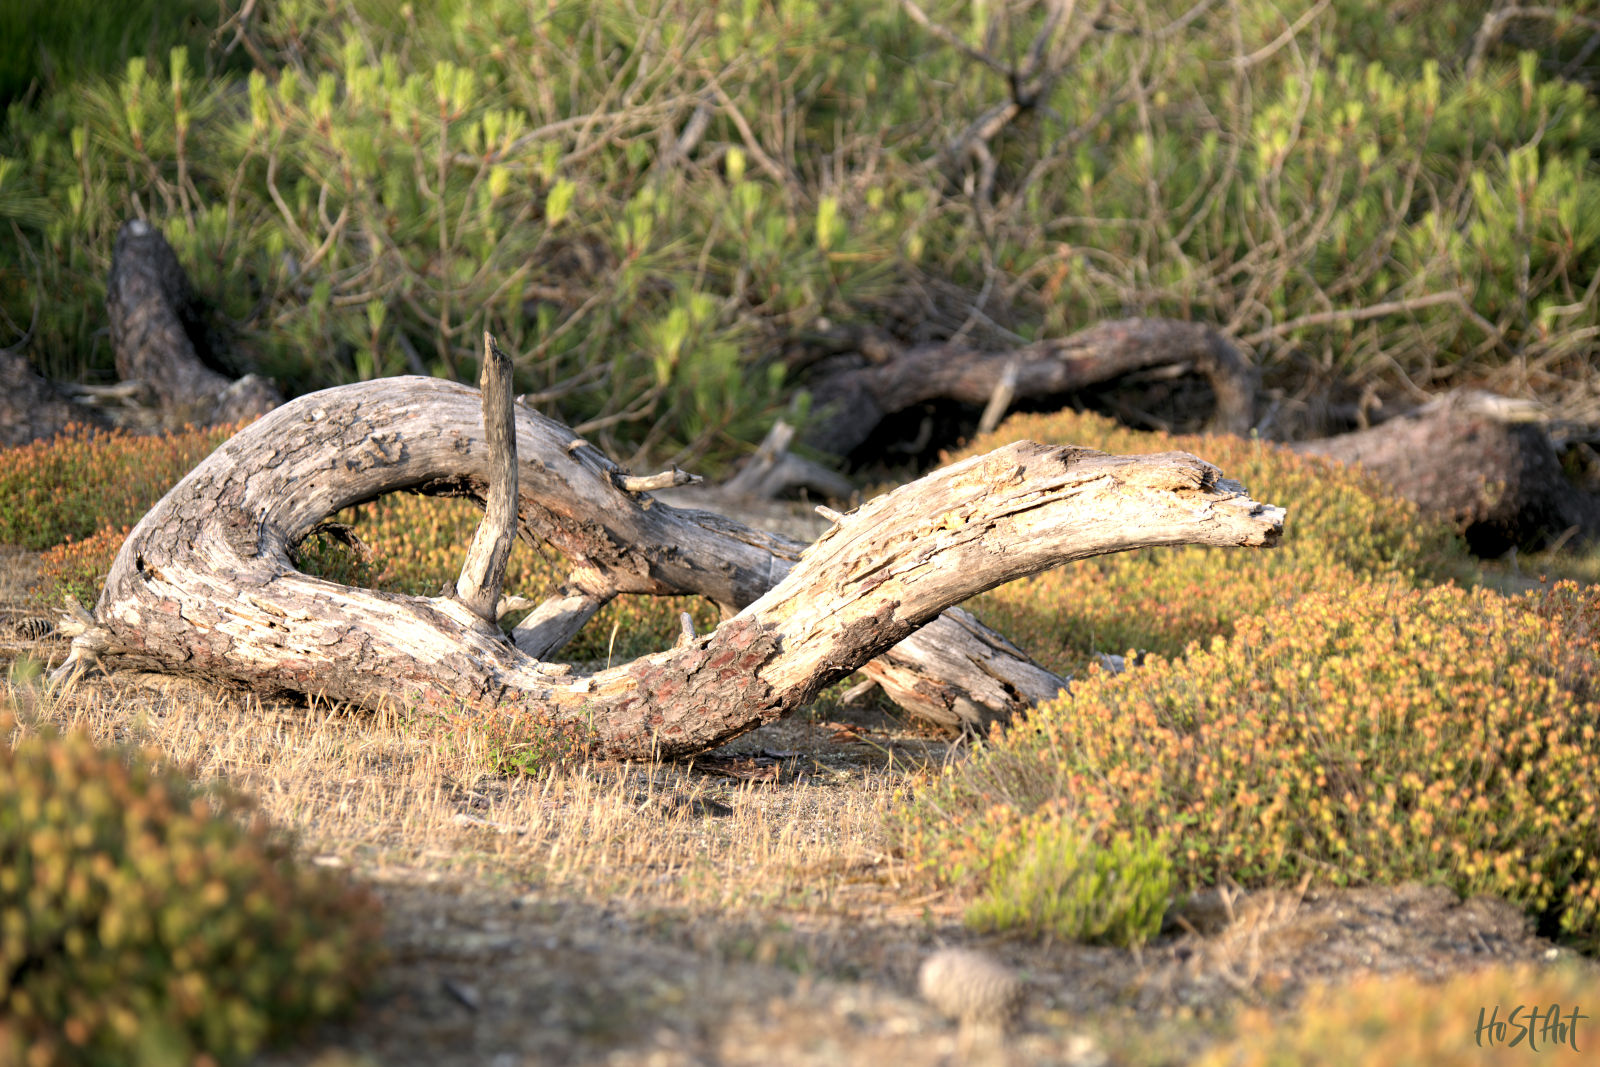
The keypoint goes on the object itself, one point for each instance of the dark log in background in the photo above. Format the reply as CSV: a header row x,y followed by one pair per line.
x,y
33,407
159,334
1460,458
856,392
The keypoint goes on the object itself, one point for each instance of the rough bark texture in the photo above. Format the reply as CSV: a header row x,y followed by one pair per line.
x,y
1460,458
205,585
155,320
855,400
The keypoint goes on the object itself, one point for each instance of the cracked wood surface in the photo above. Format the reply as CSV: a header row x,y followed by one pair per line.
x,y
205,585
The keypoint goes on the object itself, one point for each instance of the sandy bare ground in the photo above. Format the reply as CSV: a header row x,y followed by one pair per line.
x,y
746,909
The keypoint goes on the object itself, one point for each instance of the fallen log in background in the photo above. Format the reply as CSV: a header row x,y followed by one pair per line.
x,y
155,318
32,406
1479,461
204,584
854,398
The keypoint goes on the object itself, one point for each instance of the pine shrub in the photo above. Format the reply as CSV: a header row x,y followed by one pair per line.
x,y
1067,881
1336,183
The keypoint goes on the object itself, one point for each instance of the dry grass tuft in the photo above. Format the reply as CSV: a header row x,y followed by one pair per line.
x,y
372,792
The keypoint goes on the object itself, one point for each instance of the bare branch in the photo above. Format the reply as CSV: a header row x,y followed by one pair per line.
x,y
1361,314
643,483
1272,47
1005,390
551,625
484,572
686,632
1495,22
920,17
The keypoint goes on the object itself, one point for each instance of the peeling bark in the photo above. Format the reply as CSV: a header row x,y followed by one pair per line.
x,y
204,584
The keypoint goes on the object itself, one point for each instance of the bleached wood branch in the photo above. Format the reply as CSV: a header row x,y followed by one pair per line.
x,y
484,572
205,585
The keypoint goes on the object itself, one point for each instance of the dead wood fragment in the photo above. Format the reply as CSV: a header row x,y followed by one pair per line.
x,y
644,483
774,470
33,407
484,571
548,627
155,322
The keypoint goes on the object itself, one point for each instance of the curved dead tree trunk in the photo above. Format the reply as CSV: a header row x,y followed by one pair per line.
x,y
205,584
154,322
855,400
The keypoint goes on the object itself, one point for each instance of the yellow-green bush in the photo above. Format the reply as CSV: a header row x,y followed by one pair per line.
x,y
142,922
1283,169
1368,734
1395,1020
1063,882
1341,526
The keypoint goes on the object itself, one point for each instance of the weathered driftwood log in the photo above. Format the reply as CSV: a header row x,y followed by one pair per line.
x,y
854,400
205,584
1480,461
955,672
155,320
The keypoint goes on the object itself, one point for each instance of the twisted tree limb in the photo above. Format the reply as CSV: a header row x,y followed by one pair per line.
x,y
205,585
